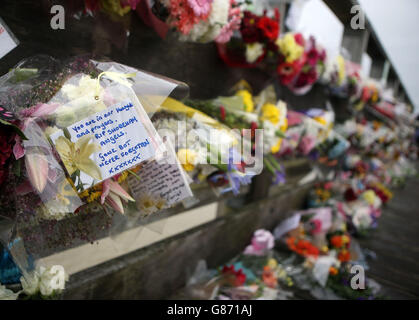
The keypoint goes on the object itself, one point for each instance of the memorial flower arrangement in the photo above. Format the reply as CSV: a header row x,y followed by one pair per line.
x,y
40,283
217,161
200,20
69,152
245,111
255,40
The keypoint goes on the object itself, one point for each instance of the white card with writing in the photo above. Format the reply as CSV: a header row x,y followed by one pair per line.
x,y
109,142
7,40
161,183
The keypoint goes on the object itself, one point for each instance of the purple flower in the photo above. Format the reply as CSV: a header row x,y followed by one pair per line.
x,y
279,178
237,179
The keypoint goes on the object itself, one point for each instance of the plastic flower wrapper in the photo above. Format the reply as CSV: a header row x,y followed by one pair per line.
x,y
67,180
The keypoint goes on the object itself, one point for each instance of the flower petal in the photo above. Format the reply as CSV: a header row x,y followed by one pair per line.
x,y
89,166
115,202
37,168
119,191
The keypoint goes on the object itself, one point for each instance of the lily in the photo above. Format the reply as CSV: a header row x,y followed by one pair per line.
x,y
113,194
37,168
76,156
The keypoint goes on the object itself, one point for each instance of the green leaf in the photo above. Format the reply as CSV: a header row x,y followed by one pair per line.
x,y
14,128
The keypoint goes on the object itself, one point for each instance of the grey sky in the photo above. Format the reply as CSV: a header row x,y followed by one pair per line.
x,y
397,25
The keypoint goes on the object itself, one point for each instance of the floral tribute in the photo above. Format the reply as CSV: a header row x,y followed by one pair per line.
x,y
200,20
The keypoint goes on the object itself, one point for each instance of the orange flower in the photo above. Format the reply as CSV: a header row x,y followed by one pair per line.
x,y
268,277
333,271
336,241
302,247
344,256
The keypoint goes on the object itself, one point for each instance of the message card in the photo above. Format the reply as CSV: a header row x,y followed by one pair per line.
x,y
161,184
103,145
7,41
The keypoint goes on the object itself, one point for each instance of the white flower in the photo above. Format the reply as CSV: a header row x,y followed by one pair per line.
x,y
6,294
86,87
30,283
253,51
362,218
206,31
45,280
52,279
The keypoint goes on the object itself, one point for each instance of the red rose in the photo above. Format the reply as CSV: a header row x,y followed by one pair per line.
x,y
269,27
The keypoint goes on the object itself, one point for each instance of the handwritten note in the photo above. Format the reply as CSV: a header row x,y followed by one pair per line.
x,y
117,133
161,182
7,41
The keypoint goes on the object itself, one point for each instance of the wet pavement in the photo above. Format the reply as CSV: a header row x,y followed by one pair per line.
x,y
396,244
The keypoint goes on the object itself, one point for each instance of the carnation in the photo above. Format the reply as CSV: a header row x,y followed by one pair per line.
x,y
254,51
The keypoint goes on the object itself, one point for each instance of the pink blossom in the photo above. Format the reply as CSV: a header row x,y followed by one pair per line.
x,y
306,145
234,24
262,241
200,7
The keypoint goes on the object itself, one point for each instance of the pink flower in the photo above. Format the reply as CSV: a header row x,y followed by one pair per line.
x,y
234,24
200,7
306,145
262,241
113,194
183,17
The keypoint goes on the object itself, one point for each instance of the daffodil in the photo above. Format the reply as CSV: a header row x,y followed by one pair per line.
x,y
247,100
76,156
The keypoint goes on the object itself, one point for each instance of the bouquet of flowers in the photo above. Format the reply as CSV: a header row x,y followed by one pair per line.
x,y
301,62
76,138
254,42
206,149
199,21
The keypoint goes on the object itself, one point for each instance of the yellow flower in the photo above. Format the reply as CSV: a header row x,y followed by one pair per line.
x,y
187,158
123,177
76,156
369,196
270,113
113,6
275,148
290,48
284,126
321,120
272,263
247,100
341,69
